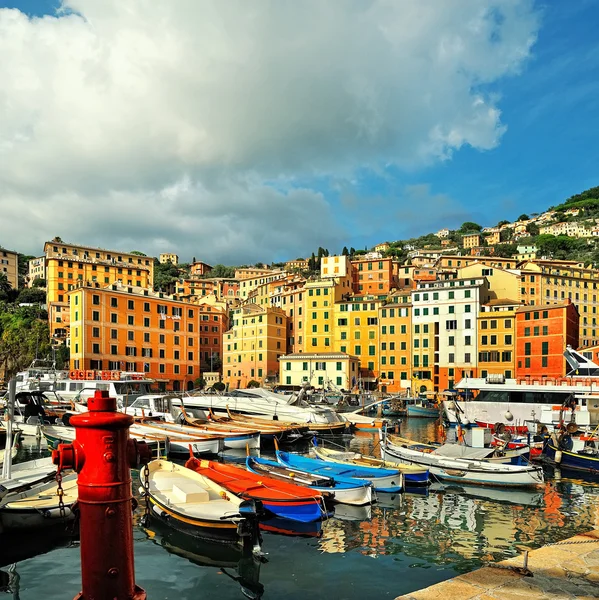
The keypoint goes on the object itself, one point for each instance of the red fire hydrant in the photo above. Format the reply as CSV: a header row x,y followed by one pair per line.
x,y
102,454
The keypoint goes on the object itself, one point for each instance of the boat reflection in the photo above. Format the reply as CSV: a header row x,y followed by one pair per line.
x,y
240,566
293,528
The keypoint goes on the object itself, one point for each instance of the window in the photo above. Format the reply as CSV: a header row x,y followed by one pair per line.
x,y
508,340
451,309
114,302
468,308
95,299
357,350
130,320
95,332
545,348
544,361
527,349
451,325
95,315
450,340
451,358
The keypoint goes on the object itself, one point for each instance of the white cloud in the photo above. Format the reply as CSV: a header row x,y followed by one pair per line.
x,y
118,104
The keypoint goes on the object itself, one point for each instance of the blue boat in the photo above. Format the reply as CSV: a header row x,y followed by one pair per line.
x,y
383,480
337,489
572,460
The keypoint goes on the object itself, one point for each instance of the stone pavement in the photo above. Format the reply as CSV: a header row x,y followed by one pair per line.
x,y
567,569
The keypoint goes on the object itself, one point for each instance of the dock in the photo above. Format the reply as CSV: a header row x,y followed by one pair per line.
x,y
564,570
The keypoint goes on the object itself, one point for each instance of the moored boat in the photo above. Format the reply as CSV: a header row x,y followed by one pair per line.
x,y
282,499
413,474
345,491
383,480
573,452
195,504
472,471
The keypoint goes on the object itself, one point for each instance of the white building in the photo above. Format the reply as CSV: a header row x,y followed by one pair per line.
x,y
326,369
442,233
334,266
37,270
444,321
575,229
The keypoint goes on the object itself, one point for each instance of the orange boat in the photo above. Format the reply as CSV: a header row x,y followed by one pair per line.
x,y
283,499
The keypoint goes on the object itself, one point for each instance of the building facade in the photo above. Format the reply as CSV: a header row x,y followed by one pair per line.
x,y
329,370
36,270
9,265
169,258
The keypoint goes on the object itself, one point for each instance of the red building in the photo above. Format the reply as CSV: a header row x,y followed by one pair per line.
x,y
542,334
373,276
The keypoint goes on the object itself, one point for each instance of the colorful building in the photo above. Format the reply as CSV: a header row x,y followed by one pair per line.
x,y
373,276
542,334
253,345
199,268
497,338
213,322
36,270
335,266
129,328
169,258
471,240
68,265
9,265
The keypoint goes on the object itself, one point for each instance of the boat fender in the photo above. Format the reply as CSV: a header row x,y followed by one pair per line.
x,y
509,416
558,457
160,512
54,513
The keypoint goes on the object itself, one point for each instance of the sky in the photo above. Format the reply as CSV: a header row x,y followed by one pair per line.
x,y
243,131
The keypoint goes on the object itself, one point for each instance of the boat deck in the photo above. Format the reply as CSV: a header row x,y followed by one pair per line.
x,y
567,569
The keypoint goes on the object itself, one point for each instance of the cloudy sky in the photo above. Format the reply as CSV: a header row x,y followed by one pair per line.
x,y
239,131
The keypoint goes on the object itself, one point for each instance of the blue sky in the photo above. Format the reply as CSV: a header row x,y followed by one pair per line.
x,y
270,190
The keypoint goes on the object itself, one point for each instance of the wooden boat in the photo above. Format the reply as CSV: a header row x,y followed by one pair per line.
x,y
345,491
38,506
282,499
269,430
383,480
192,503
471,471
492,454
422,408
413,475
232,437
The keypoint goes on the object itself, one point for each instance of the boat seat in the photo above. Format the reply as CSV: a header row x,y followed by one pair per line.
x,y
186,491
163,481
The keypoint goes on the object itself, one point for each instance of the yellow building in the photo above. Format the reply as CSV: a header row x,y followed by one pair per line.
x,y
502,283
493,237
250,283
9,265
299,264
292,302
67,265
471,240
324,370
169,258
395,343
127,328
253,345
497,338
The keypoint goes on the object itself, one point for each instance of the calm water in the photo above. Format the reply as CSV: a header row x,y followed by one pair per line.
x,y
401,544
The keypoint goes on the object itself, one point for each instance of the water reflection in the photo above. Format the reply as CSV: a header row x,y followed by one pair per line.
x,y
242,567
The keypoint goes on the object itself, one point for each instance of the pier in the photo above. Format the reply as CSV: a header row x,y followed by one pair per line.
x,y
566,569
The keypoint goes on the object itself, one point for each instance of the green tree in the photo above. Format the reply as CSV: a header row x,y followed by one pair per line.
x,y
532,229
5,286
137,253
503,222
253,384
221,271
345,251
470,227
219,386
524,217
200,383
38,282
31,296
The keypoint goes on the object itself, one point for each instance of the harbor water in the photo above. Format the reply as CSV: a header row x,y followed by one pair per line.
x,y
402,543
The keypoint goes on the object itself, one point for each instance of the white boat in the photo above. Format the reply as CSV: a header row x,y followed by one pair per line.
x,y
193,503
38,507
263,403
179,443
469,471
27,474
536,400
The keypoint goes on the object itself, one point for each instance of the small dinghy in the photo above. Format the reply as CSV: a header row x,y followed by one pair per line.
x,y
383,480
282,499
338,489
413,474
192,503
471,471
38,507
27,474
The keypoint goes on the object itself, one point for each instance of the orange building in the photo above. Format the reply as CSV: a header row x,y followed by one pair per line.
x,y
126,328
214,321
199,268
373,276
542,334
67,265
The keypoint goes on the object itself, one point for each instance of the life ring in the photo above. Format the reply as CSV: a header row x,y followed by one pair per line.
x,y
115,375
106,375
80,375
72,374
89,375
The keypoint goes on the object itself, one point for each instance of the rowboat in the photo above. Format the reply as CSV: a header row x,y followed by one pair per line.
x,y
413,475
233,438
383,480
577,452
472,471
178,443
27,474
38,506
282,499
344,491
192,503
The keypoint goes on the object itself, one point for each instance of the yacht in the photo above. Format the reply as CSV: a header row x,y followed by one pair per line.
x,y
260,402
525,403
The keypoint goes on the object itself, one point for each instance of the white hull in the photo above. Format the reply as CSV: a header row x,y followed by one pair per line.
x,y
358,496
467,471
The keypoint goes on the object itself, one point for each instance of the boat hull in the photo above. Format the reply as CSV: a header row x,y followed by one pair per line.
x,y
573,460
422,412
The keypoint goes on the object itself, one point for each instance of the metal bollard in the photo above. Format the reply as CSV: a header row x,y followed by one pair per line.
x,y
102,455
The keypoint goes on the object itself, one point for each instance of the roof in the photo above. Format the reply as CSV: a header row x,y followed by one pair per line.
x,y
95,248
503,302
318,356
537,307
